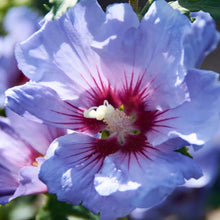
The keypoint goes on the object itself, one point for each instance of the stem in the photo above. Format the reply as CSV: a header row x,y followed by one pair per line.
x,y
145,9
134,4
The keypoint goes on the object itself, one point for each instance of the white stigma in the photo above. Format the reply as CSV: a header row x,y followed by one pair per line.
x,y
99,112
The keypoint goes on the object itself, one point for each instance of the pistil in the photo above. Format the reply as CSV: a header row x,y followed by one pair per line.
x,y
117,122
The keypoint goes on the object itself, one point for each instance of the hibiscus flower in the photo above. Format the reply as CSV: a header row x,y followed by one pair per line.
x,y
129,93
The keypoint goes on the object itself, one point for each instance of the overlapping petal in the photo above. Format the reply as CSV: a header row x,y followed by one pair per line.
x,y
22,141
79,56
14,154
137,41
138,181
29,182
14,151
36,134
197,121
208,160
7,190
129,52
202,39
69,54
75,168
29,100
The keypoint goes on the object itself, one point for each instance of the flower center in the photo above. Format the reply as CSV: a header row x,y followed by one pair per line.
x,y
117,122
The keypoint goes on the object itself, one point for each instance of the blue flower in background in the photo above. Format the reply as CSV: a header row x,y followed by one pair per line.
x,y
19,23
129,93
23,144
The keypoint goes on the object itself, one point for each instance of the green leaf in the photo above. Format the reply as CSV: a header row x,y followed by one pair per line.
x,y
211,6
184,151
2,112
59,7
134,4
56,210
145,9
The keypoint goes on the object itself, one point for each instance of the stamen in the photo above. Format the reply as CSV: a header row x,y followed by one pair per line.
x,y
117,122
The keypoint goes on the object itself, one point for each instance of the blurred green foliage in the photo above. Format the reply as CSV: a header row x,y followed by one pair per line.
x,y
43,207
55,210
24,208
37,5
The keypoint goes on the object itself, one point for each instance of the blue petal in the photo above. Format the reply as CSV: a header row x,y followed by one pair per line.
x,y
207,158
152,48
117,45
154,178
67,54
29,182
164,30
8,184
67,165
15,152
122,184
197,121
202,39
74,168
35,100
39,136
